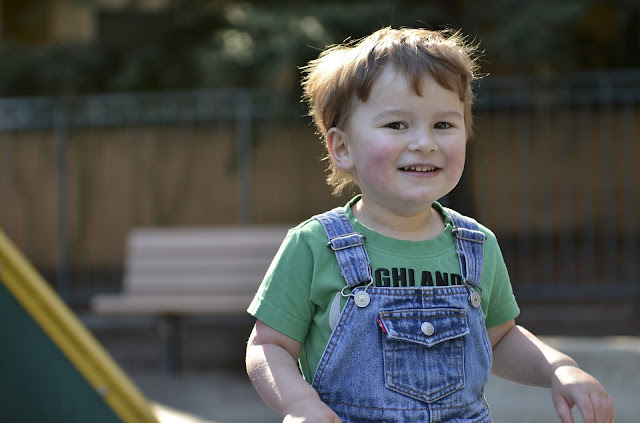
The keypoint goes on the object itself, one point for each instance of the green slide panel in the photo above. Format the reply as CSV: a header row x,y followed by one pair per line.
x,y
51,368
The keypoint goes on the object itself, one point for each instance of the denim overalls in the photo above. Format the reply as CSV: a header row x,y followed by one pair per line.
x,y
406,354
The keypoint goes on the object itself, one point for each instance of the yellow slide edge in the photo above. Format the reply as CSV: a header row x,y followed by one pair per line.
x,y
73,339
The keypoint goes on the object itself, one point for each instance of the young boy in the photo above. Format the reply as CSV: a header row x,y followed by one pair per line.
x,y
394,308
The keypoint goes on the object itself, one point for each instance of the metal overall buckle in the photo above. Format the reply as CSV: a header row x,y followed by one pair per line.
x,y
475,298
360,298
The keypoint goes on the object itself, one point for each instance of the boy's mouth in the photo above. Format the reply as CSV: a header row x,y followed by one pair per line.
x,y
419,168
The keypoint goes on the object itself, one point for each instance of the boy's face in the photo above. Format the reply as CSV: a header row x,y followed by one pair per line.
x,y
404,151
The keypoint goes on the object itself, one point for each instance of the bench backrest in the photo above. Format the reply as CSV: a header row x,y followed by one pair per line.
x,y
199,260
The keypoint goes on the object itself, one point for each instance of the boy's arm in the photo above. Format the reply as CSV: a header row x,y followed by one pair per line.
x,y
272,367
521,357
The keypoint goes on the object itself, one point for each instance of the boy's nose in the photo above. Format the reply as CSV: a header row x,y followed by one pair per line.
x,y
423,141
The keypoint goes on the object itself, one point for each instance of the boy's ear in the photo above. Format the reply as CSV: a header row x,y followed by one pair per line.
x,y
338,146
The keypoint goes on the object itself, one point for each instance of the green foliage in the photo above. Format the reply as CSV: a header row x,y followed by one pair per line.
x,y
548,36
204,43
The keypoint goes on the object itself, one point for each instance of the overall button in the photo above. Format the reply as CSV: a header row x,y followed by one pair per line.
x,y
362,299
475,299
427,328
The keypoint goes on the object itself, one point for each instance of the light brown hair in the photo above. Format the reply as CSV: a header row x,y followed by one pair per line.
x,y
345,72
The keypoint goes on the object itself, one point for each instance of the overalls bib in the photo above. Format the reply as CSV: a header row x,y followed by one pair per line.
x,y
406,354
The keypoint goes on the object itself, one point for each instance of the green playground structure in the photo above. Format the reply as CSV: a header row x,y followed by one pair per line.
x,y
52,369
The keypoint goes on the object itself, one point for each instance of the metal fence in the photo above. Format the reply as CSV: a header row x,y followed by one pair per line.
x,y
566,186
552,170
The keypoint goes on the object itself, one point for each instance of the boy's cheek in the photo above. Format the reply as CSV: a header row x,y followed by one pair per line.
x,y
381,157
377,168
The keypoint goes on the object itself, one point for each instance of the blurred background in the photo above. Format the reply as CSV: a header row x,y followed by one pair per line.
x,y
117,114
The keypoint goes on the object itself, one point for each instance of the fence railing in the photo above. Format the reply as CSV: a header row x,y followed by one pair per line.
x,y
558,157
552,170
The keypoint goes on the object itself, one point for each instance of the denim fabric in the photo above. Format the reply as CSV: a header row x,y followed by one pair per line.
x,y
412,354
348,245
469,243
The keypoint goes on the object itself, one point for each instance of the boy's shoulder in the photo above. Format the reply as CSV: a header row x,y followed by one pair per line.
x,y
309,230
312,226
446,212
309,226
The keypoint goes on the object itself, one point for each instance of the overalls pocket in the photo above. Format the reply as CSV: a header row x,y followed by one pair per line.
x,y
424,351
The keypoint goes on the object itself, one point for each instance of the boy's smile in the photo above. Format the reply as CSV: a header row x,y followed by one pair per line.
x,y
404,150
420,168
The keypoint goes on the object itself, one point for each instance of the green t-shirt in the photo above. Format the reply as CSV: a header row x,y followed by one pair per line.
x,y
297,292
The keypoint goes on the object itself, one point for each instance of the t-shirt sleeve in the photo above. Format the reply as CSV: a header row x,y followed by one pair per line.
x,y
282,300
501,305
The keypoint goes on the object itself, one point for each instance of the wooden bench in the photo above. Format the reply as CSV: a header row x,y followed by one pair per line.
x,y
174,272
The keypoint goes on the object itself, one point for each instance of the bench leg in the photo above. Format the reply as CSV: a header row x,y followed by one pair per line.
x,y
169,329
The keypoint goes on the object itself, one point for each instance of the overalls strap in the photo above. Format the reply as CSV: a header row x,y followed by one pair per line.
x,y
348,246
469,246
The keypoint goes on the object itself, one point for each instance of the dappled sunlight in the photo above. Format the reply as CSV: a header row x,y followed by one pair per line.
x,y
165,414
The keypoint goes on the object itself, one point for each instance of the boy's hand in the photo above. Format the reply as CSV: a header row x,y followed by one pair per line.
x,y
571,387
310,411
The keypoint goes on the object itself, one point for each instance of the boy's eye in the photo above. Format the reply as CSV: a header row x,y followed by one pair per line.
x,y
442,125
396,125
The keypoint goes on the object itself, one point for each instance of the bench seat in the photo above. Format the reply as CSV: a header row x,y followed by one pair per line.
x,y
174,272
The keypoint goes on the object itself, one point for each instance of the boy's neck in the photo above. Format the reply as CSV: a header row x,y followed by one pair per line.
x,y
422,226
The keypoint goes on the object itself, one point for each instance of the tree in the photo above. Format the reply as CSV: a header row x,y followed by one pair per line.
x,y
204,43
